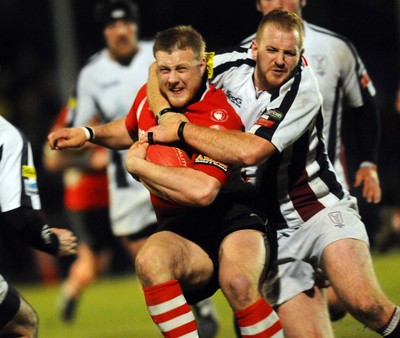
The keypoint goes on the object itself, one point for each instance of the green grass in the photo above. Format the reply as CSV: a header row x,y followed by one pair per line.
x,y
114,308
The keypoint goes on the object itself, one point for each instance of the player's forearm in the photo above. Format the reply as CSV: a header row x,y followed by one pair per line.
x,y
112,135
182,185
156,100
233,147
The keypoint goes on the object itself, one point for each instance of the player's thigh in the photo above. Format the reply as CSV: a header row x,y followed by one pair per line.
x,y
306,316
243,252
174,252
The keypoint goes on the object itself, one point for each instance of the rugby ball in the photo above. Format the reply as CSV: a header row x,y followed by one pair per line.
x,y
167,156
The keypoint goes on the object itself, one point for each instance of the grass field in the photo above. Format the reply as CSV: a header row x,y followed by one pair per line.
x,y
114,308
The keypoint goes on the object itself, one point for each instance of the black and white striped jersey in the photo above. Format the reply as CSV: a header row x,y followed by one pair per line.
x,y
18,181
343,81
299,180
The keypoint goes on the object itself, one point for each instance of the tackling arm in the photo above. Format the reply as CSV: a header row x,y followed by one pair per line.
x,y
228,146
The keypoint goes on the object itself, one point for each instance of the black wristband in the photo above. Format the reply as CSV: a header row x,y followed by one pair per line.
x,y
164,111
150,137
180,131
91,133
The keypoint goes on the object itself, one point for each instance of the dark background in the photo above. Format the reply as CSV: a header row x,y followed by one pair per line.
x,y
38,67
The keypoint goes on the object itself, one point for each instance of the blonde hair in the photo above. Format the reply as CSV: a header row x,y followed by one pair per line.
x,y
180,38
282,19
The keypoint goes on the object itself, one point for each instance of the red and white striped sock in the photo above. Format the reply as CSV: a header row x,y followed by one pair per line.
x,y
259,320
170,311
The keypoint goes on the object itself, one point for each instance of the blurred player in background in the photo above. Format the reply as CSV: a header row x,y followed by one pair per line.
x,y
86,203
21,215
106,88
346,87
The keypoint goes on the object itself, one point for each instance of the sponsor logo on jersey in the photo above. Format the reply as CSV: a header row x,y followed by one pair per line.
x,y
237,101
336,218
275,114
202,159
219,115
28,172
365,80
319,63
264,122
31,187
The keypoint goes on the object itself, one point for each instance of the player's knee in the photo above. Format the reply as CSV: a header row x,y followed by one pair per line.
x,y
365,309
149,265
239,288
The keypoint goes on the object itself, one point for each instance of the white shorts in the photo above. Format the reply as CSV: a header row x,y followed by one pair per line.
x,y
131,210
299,250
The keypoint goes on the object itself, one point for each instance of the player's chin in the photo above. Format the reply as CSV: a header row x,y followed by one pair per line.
x,y
277,79
178,100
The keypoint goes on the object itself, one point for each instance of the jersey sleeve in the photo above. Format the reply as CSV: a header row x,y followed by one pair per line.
x,y
211,167
291,112
221,62
84,108
357,84
359,95
131,121
18,181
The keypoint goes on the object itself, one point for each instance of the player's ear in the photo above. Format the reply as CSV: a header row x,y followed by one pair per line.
x,y
203,65
254,49
258,6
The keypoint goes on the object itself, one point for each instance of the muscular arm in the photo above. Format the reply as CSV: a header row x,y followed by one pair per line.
x,y
233,147
112,135
182,185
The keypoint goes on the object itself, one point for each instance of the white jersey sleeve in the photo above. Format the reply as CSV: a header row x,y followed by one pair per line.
x,y
86,91
18,182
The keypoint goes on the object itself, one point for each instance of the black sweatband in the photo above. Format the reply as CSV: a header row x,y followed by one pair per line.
x,y
150,137
91,133
180,131
164,111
